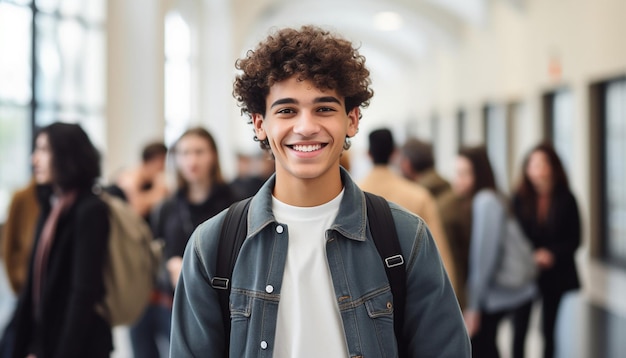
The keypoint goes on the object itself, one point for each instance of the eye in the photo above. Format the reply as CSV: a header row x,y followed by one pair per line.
x,y
326,109
285,111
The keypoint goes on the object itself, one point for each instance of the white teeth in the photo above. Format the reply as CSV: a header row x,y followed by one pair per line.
x,y
307,148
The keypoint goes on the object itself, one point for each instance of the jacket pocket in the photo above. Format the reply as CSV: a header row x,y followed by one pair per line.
x,y
380,311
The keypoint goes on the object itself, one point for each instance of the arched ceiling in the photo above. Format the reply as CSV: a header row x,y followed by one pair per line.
x,y
423,24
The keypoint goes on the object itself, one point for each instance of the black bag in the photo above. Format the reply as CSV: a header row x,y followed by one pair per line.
x,y
382,227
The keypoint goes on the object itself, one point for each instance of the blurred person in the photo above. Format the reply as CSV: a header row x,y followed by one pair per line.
x,y
548,213
201,193
252,171
56,314
383,181
309,281
143,186
487,302
417,163
18,234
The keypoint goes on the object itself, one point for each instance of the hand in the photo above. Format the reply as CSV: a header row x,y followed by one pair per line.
x,y
544,258
174,266
472,322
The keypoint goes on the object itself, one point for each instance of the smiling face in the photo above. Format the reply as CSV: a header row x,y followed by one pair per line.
x,y
306,130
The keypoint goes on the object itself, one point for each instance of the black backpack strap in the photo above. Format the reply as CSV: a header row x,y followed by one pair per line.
x,y
385,237
232,235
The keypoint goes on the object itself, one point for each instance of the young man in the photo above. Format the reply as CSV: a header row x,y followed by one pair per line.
x,y
309,281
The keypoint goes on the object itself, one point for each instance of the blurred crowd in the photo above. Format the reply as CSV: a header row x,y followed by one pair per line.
x,y
55,236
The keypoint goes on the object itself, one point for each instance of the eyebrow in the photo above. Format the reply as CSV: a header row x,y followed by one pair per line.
x,y
326,99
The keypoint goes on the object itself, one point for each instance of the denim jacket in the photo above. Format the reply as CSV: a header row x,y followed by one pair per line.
x,y
433,322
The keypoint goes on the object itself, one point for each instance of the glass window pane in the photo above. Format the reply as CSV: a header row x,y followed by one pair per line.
x,y
71,39
22,2
48,60
94,10
15,139
615,147
71,7
497,144
563,134
47,115
177,37
47,5
15,71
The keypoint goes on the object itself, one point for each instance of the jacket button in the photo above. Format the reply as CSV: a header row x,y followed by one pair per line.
x,y
269,288
279,229
263,345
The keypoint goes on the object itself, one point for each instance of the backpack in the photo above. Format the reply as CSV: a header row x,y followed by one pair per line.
x,y
383,229
131,266
516,267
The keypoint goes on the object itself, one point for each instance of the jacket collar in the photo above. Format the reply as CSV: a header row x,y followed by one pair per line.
x,y
351,219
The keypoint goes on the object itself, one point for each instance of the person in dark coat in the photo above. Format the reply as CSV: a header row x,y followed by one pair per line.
x,y
201,193
56,315
548,213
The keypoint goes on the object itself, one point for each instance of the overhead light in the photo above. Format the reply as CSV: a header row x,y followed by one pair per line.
x,y
387,21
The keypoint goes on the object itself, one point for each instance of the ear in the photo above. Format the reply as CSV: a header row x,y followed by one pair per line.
x,y
353,125
257,122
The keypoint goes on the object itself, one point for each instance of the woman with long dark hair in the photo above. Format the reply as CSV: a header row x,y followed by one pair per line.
x,y
56,314
488,301
548,213
201,193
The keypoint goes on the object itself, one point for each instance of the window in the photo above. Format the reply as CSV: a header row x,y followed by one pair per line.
x,y
558,124
614,144
461,121
51,69
178,67
496,140
15,98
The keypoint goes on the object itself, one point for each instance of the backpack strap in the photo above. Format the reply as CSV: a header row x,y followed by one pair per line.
x,y
385,237
232,235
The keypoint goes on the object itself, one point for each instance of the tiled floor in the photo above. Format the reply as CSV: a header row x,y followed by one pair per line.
x,y
591,323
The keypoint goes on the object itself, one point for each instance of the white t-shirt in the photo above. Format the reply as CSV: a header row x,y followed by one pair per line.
x,y
309,323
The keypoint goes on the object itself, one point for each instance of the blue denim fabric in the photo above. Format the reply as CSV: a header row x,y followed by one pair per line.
x,y
433,322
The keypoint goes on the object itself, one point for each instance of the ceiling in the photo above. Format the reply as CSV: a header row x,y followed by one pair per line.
x,y
391,33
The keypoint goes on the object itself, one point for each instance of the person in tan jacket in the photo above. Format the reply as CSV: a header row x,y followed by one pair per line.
x,y
18,234
417,163
383,181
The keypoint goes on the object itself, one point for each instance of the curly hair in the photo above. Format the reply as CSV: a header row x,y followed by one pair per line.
x,y
310,53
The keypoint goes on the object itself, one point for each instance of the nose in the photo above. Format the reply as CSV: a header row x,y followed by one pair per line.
x,y
306,125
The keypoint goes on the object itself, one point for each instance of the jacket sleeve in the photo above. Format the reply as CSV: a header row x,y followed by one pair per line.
x,y
90,250
433,219
488,217
433,324
197,326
